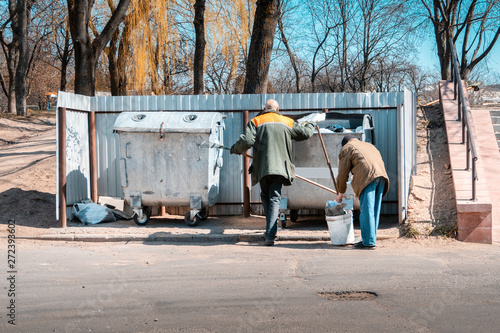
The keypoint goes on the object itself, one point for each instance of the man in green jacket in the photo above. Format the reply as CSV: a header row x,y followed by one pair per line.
x,y
370,183
271,134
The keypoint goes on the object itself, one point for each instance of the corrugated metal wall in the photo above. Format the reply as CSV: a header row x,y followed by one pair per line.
x,y
385,121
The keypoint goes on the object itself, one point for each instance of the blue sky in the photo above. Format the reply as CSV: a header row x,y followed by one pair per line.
x,y
428,59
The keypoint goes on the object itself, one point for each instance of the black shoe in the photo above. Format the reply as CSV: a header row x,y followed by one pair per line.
x,y
269,242
361,246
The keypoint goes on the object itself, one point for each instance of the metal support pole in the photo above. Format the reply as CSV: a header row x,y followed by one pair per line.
x,y
467,155
246,175
464,124
455,89
474,198
61,119
93,157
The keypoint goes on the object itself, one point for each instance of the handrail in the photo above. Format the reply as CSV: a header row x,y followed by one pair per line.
x,y
463,115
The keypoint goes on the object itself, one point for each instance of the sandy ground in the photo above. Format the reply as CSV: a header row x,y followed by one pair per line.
x,y
431,206
28,187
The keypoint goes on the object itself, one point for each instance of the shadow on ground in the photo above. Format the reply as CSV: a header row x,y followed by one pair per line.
x,y
28,208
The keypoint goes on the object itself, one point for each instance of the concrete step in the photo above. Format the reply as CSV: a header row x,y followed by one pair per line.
x,y
498,143
495,113
495,119
497,135
496,127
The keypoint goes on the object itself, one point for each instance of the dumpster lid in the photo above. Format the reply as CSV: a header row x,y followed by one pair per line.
x,y
172,122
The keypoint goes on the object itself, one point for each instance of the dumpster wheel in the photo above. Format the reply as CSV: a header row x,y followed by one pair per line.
x,y
146,214
203,214
294,215
194,222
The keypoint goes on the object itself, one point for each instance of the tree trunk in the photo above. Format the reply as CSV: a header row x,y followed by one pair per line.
x,y
199,52
87,52
11,68
65,58
114,75
261,46
21,32
293,62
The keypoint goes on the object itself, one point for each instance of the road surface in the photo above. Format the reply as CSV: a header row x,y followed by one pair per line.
x,y
434,286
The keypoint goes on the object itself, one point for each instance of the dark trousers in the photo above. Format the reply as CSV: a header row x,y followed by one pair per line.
x,y
270,194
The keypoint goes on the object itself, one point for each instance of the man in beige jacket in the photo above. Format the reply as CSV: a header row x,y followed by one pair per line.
x,y
370,183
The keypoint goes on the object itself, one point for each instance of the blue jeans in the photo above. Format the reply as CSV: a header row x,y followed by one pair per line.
x,y
370,202
270,194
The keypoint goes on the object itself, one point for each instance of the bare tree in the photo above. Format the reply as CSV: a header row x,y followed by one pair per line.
x,y
199,52
261,46
19,50
473,23
284,39
324,21
88,50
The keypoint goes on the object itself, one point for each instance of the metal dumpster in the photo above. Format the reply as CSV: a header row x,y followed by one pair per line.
x,y
161,163
310,162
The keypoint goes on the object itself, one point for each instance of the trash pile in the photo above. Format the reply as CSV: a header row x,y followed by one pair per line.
x,y
333,208
89,212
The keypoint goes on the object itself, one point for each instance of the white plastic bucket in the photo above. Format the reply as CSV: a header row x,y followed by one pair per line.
x,y
341,228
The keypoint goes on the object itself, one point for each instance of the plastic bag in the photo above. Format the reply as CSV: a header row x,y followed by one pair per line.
x,y
92,213
333,208
313,117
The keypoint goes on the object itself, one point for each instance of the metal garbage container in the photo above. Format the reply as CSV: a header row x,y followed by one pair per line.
x,y
161,163
310,162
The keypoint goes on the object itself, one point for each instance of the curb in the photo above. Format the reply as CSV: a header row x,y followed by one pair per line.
x,y
182,238
185,238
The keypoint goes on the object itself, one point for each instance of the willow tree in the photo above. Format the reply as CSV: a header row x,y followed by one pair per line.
x,y
229,27
261,46
155,50
88,50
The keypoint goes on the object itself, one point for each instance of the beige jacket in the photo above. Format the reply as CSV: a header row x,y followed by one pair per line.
x,y
364,161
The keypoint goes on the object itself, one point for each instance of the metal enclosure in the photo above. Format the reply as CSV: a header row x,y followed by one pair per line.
x,y
162,164
310,161
394,117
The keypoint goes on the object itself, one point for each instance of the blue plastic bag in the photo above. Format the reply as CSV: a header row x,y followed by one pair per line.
x,y
92,213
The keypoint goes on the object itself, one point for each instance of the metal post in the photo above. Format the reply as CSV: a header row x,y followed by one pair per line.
x,y
93,157
246,175
62,166
474,198
467,155
464,123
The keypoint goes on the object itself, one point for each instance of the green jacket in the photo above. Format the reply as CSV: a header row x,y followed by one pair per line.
x,y
365,163
271,134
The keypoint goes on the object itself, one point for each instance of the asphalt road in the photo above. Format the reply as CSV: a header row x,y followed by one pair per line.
x,y
157,287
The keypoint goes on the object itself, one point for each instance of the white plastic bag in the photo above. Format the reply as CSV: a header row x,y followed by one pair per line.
x,y
313,117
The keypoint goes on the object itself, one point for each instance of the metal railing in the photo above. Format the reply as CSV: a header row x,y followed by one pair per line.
x,y
463,115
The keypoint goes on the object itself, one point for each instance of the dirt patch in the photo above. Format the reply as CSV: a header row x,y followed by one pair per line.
x,y
14,129
28,170
431,205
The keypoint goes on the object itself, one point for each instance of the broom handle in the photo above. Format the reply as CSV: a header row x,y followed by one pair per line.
x,y
316,184
304,179
326,156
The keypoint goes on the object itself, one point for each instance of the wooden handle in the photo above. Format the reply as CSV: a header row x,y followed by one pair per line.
x,y
326,156
316,184
305,179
